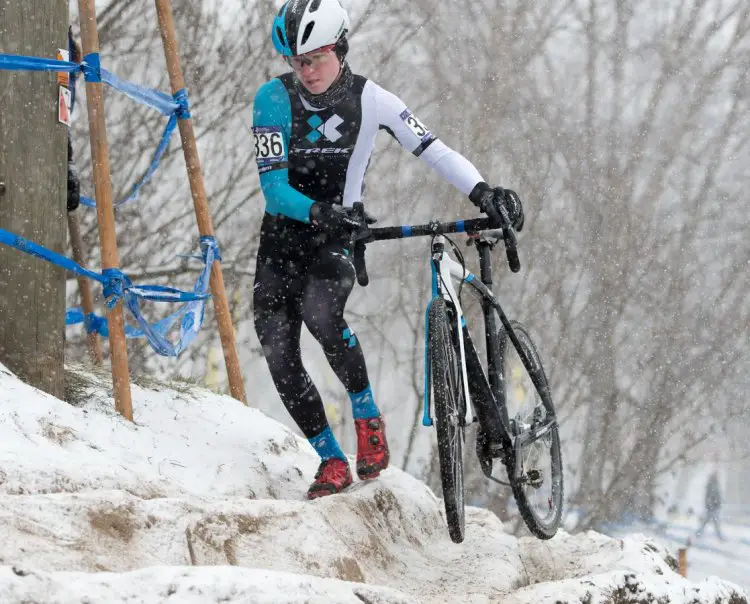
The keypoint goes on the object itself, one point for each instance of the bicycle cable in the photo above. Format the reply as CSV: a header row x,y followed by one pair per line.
x,y
461,260
492,478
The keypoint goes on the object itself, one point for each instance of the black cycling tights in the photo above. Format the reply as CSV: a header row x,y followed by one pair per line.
x,y
310,288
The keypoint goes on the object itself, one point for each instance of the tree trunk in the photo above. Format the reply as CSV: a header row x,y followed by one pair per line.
x,y
33,166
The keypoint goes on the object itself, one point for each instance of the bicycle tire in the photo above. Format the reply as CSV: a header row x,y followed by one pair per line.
x,y
538,492
450,411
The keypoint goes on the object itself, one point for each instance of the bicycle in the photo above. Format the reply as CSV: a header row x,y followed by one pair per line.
x,y
521,429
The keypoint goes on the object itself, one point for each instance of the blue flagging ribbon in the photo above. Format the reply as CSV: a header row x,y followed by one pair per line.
x,y
96,324
153,166
181,112
176,107
117,286
156,99
190,315
20,63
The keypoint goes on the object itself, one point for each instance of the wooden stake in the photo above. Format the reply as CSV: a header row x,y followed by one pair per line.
x,y
105,211
198,189
682,561
87,299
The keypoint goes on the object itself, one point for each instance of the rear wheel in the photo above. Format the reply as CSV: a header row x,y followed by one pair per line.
x,y
450,413
538,489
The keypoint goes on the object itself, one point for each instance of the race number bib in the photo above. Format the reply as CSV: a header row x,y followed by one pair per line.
x,y
417,127
270,151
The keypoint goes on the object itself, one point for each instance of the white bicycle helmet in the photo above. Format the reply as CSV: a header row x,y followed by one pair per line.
x,y
302,26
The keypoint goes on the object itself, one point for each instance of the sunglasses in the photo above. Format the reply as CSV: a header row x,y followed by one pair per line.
x,y
314,59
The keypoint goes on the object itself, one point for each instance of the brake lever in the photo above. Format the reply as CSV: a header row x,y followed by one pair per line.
x,y
511,242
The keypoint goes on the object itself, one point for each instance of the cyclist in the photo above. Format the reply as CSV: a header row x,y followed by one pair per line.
x,y
314,130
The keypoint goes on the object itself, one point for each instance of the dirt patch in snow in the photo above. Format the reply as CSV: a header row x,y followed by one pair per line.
x,y
115,521
348,570
58,434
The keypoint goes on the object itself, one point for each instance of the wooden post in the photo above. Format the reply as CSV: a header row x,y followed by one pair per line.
x,y
32,196
198,189
682,561
87,299
105,211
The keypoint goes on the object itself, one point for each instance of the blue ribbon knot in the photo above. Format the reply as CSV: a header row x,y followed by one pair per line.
x,y
183,109
116,285
94,324
208,242
92,67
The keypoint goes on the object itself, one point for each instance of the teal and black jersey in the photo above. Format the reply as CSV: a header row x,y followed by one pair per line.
x,y
307,154
304,274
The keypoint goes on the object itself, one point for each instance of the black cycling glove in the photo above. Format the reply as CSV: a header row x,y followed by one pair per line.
x,y
335,218
489,200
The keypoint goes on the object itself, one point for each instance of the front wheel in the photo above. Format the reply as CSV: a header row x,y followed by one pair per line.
x,y
538,488
450,413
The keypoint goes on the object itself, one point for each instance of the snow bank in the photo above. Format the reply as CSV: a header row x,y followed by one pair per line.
x,y
202,499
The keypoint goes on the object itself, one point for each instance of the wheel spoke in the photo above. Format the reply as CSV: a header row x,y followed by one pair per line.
x,y
538,490
448,393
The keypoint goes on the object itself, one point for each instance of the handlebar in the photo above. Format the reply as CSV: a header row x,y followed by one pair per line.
x,y
471,226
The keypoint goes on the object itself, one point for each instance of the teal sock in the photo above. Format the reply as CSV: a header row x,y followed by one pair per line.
x,y
326,445
363,404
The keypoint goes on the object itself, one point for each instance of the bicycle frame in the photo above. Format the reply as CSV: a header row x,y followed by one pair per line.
x,y
478,390
443,268
482,393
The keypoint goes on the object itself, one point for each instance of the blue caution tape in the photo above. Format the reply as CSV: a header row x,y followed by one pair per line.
x,y
181,98
93,72
92,68
181,112
117,286
29,247
21,63
156,99
190,315
175,106
153,166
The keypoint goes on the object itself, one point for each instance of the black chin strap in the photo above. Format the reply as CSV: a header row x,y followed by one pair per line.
x,y
335,93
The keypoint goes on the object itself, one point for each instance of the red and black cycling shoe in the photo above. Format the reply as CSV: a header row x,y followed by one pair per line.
x,y
332,477
372,447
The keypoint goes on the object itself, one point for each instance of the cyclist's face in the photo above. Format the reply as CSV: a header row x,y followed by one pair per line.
x,y
317,70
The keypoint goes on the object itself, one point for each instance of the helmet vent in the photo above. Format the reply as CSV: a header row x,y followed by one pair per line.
x,y
281,10
308,31
280,34
314,6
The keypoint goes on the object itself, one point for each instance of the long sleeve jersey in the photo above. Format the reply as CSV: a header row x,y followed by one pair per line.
x,y
307,154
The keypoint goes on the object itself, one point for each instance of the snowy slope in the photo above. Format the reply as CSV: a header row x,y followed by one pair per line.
x,y
202,500
708,555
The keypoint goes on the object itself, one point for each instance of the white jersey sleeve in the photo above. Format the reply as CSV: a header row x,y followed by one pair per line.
x,y
394,117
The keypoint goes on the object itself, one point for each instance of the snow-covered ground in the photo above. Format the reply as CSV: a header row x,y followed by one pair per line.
x,y
708,555
202,500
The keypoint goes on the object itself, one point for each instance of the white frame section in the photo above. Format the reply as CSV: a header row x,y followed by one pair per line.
x,y
449,269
